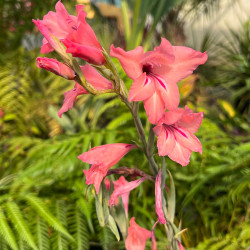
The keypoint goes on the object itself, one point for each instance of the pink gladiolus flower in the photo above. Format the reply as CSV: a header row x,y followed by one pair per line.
x,y
94,78
74,32
175,134
82,42
55,67
137,236
122,188
102,158
158,199
58,23
155,74
1,113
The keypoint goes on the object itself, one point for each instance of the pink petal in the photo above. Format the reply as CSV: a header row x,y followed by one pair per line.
x,y
125,197
157,129
142,88
70,97
162,54
45,32
137,236
158,199
186,61
95,78
180,154
123,189
95,176
65,21
154,107
191,121
187,139
168,92
106,155
84,35
172,116
90,54
130,60
165,142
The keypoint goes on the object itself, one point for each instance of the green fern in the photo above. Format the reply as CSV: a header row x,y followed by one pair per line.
x,y
21,226
42,234
6,232
43,211
78,229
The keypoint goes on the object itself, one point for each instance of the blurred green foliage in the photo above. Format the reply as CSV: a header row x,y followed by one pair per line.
x,y
43,201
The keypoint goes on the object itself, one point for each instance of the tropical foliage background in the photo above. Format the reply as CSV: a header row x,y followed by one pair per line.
x,y
43,194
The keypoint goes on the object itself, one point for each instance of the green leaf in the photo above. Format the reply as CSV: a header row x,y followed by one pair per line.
x,y
44,212
6,232
113,227
99,209
20,224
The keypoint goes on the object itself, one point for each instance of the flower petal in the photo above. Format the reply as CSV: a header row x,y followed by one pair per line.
x,y
191,121
130,60
154,107
162,54
165,142
142,88
95,176
186,61
169,93
180,154
172,116
95,78
90,54
125,197
158,199
187,139
137,236
70,97
106,155
123,189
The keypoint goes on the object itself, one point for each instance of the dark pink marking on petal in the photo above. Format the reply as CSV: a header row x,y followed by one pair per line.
x,y
182,133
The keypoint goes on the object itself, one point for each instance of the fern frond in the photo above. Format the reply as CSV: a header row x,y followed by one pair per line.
x,y
44,212
6,232
120,120
86,209
42,234
59,241
20,224
78,229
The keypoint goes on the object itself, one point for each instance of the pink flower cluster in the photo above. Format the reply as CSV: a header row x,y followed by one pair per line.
x,y
155,75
